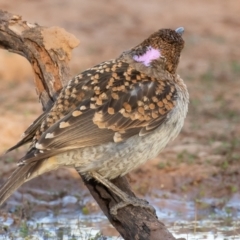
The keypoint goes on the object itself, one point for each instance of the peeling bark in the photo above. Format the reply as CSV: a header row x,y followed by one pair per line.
x,y
49,51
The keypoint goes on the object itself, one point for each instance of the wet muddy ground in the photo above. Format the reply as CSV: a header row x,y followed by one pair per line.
x,y
58,206
195,182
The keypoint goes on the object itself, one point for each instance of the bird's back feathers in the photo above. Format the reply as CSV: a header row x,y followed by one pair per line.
x,y
111,102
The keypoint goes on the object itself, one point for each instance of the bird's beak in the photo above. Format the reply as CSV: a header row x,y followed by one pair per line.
x,y
180,30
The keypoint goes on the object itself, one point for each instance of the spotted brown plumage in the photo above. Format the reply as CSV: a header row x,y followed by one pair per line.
x,y
112,117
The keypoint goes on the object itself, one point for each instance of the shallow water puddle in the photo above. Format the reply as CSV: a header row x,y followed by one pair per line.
x,y
201,220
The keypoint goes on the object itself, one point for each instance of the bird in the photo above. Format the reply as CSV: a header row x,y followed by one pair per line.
x,y
110,118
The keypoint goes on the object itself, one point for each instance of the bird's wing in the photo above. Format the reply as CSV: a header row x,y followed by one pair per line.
x,y
114,102
29,133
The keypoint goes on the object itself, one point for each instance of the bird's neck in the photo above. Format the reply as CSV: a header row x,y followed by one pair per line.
x,y
156,69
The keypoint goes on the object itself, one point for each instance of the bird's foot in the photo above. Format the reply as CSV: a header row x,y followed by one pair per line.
x,y
126,199
131,201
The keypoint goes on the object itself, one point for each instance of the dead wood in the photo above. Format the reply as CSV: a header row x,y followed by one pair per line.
x,y
49,51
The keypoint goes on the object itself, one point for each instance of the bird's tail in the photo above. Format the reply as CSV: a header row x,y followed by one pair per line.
x,y
23,174
18,177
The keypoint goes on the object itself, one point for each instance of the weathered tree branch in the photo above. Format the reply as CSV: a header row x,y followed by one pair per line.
x,y
49,51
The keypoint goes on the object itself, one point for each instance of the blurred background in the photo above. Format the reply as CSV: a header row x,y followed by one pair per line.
x,y
203,164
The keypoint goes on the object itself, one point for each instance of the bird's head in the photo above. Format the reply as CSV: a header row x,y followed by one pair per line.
x,y
162,48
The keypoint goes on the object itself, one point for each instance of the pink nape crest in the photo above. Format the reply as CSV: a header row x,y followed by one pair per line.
x,y
148,56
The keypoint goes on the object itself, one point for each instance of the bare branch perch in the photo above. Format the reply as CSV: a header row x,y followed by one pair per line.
x,y
49,51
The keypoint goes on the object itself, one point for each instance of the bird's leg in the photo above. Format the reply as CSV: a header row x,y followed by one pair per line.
x,y
126,199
